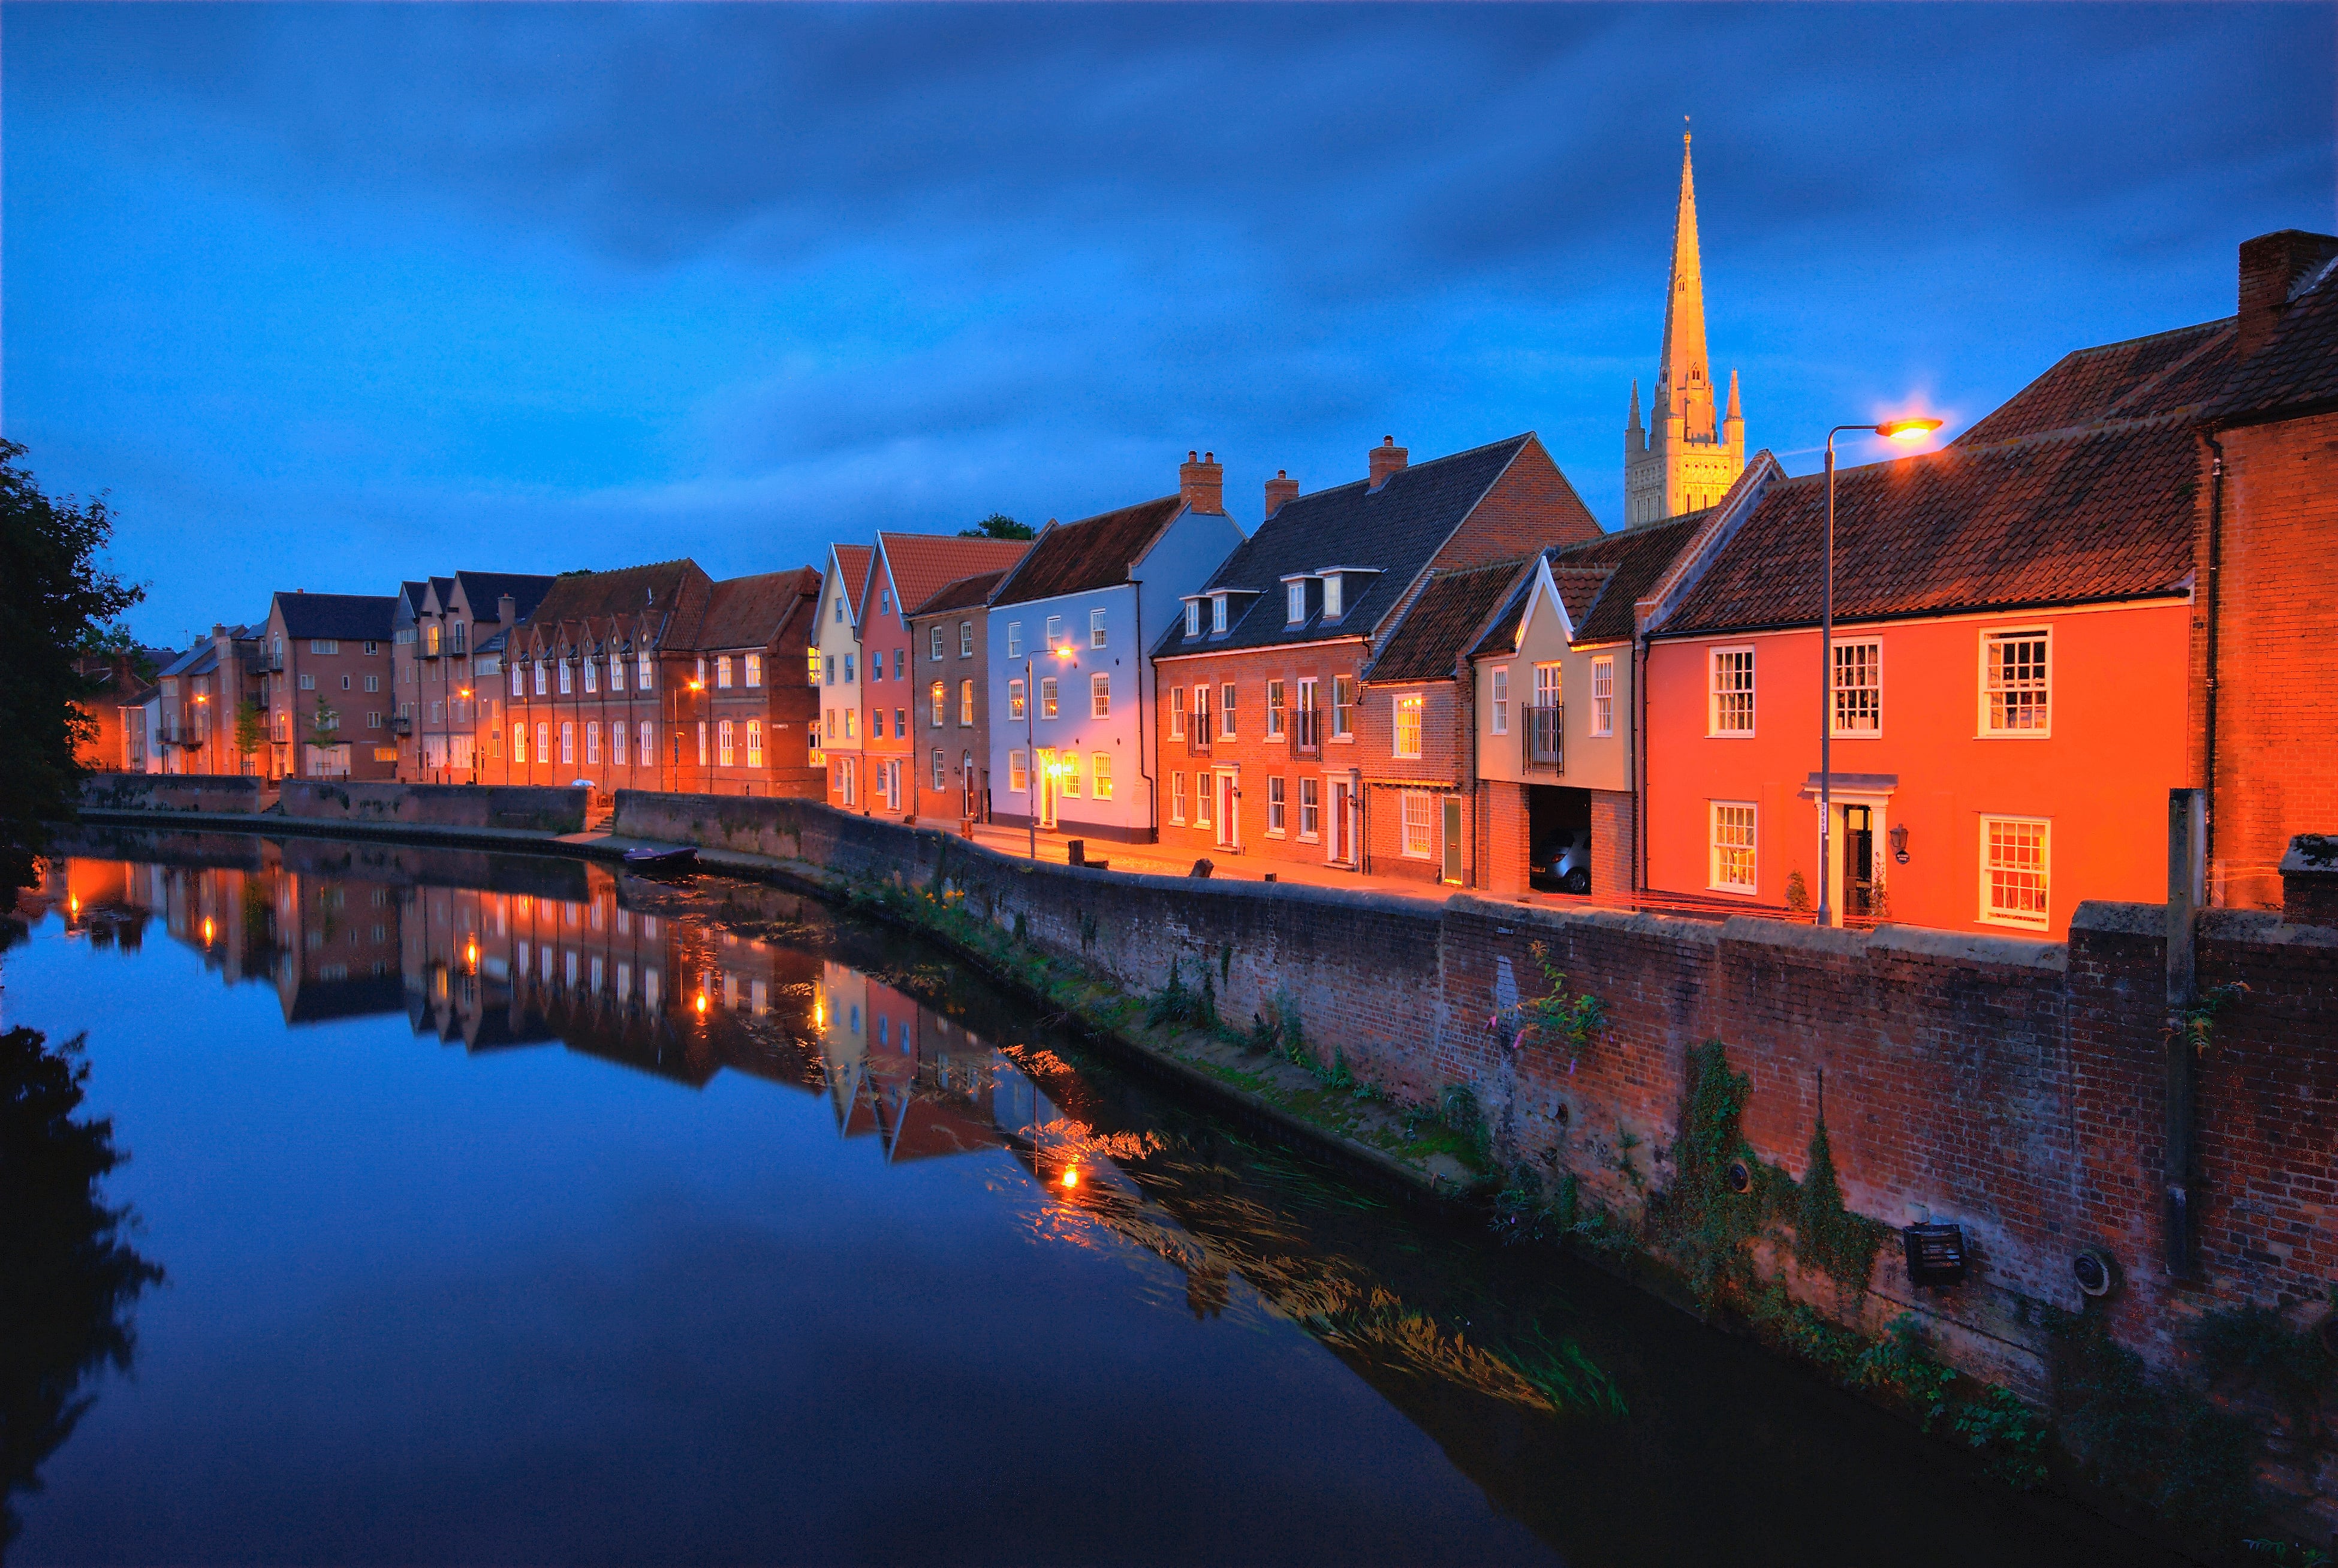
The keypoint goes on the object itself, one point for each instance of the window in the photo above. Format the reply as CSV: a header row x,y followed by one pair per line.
x,y
617,745
1501,698
2013,867
373,717
1294,602
965,639
1176,796
593,742
568,678
1343,707
1311,811
1100,775
701,742
828,664
877,665
591,674
1603,695
1099,695
568,743
1274,807
1731,702
1014,639
373,683
966,704
1274,709
616,672
812,666
307,683
754,668
754,744
1858,687
1217,613
723,750
840,608
543,675
648,753
900,723
937,700
934,641
1176,712
1019,771
1227,715
1192,617
519,682
430,641
1095,629
324,645
901,663
373,648
1054,632
1015,698
1417,843
1202,792
1408,710
644,668
1733,866
852,723
2015,672
884,601
520,743
1332,598
942,767
1047,696
345,682
848,676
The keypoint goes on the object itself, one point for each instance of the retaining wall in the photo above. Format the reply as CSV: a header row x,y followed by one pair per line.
x,y
227,793
540,808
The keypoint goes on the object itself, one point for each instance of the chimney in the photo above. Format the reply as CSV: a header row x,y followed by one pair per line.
x,y
2271,265
1387,458
1283,487
1202,482
506,610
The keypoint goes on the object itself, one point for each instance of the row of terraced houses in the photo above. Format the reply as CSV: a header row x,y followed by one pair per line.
x,y
2119,583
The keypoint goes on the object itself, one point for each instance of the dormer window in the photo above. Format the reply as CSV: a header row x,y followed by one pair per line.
x,y
1294,601
1192,617
1332,605
1217,614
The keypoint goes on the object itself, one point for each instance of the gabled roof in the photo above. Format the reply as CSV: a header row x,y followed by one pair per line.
x,y
852,565
670,596
2139,379
2296,368
1444,619
966,594
353,617
484,591
1396,530
751,612
920,564
1602,581
1094,553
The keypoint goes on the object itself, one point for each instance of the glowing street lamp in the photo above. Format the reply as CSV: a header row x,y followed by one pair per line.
x,y
1031,744
1914,430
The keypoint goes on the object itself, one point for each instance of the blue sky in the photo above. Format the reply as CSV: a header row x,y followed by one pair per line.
x,y
327,297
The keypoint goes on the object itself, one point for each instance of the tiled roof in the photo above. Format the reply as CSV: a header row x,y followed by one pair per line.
x,y
2296,367
1396,529
356,617
2095,514
484,590
853,560
749,611
963,594
2140,378
920,564
669,595
1093,552
1639,557
1444,618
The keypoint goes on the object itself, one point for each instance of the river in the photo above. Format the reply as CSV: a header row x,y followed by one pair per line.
x,y
514,1212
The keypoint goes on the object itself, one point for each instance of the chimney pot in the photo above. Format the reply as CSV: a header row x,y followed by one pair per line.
x,y
2271,265
1280,489
1387,458
1202,483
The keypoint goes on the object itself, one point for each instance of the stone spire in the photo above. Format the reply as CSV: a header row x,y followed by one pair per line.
x,y
1684,387
1633,440
1689,456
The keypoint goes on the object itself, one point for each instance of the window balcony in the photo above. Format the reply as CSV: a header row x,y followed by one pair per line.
x,y
1541,742
1306,732
1197,733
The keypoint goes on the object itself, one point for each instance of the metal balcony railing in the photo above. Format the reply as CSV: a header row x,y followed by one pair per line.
x,y
1307,732
1197,731
1540,737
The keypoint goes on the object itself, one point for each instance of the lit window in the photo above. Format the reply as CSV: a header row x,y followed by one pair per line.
x,y
1274,807
1274,709
722,751
1732,864
648,752
520,743
937,700
754,744
852,723
1408,729
544,743
568,743
812,668
1100,696
1067,775
2013,869
1731,709
593,742
1019,771
1603,696
754,668
1095,629
966,704
1100,775
1176,796
1501,698
1015,698
1047,696
701,742
1858,687
2015,670
1416,825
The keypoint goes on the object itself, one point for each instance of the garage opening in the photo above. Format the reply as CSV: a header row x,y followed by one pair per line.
x,y
1559,828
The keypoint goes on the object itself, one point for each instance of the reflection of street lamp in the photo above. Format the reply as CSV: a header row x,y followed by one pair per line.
x,y
1031,742
1891,430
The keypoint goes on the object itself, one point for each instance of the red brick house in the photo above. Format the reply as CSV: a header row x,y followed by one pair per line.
x,y
1265,737
950,637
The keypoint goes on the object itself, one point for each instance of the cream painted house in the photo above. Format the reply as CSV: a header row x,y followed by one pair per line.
x,y
836,647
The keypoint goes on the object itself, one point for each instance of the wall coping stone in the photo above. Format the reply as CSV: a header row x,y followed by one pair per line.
x,y
2011,952
2262,925
2107,918
1668,928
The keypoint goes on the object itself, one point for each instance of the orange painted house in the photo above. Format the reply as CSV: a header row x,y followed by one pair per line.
x,y
2010,692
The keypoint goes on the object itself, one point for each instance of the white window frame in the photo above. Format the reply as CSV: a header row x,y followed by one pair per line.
x,y
1192,617
1014,639
1099,775
1311,809
1714,849
1095,629
1019,771
1991,914
1275,806
1177,798
567,679
965,703
754,744
1225,730
1016,695
647,670
1217,614
1334,597
1415,705
1714,666
1343,713
1993,637
941,760
1100,695
591,674
965,639
647,754
1501,683
751,671
1176,712
1274,704
934,645
937,703
1054,632
592,742
1836,690
1603,695
1426,843
1049,704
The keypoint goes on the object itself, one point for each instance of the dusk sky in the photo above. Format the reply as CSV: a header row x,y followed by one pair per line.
x,y
327,297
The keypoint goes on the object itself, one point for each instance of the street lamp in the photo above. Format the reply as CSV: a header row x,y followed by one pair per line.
x,y
1031,744
1890,430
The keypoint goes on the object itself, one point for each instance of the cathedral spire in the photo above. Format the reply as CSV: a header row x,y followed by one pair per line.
x,y
1683,366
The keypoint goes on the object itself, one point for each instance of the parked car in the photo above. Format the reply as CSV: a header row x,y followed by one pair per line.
x,y
1569,861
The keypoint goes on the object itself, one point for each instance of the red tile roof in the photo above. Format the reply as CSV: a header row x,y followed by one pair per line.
x,y
1093,552
922,563
1444,618
963,594
751,612
2296,370
852,561
2140,378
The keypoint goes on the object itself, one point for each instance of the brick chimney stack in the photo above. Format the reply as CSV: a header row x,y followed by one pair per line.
x,y
1202,482
1387,458
2271,265
506,610
1283,487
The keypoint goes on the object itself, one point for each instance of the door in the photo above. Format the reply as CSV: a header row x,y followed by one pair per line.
x,y
1228,785
1858,860
1338,835
1453,838
1043,779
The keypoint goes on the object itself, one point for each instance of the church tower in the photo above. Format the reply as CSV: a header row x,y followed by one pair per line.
x,y
1686,458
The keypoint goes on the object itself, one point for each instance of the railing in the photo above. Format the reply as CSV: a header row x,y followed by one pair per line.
x,y
1539,738
1197,731
401,724
1307,732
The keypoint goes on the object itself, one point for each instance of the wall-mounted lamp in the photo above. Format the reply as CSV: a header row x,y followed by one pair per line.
x,y
1898,837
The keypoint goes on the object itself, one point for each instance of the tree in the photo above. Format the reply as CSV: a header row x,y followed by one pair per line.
x,y
251,729
324,725
998,525
55,602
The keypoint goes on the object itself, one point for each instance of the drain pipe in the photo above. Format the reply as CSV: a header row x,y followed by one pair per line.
x,y
2215,574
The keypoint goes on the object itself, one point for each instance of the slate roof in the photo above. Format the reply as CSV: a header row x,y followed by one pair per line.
x,y
751,612
351,617
1397,529
2140,378
965,593
2297,370
484,590
920,564
1093,552
1444,620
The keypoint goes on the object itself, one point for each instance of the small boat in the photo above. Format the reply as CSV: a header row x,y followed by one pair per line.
x,y
661,857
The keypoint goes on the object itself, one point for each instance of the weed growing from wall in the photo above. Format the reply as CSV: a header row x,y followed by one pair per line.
x,y
1558,1019
1827,1236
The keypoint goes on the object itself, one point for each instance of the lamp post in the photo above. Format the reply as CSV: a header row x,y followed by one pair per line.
x,y
1031,743
1890,430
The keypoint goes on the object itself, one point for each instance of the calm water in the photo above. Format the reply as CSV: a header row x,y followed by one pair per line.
x,y
514,1213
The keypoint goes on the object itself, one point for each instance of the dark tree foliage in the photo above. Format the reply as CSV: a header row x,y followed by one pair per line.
x,y
67,1279
54,606
998,525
